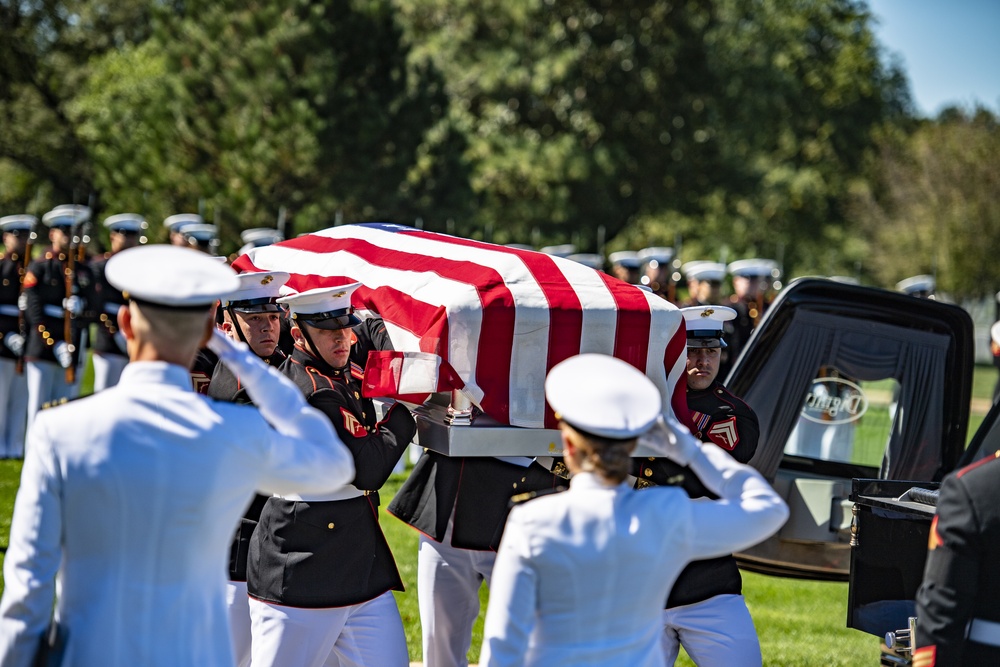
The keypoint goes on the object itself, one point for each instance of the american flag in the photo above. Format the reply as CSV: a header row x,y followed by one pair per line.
x,y
488,319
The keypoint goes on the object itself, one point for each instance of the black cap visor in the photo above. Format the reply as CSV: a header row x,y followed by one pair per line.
x,y
337,319
705,338
262,305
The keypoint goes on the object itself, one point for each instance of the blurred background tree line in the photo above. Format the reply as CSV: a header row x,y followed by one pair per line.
x,y
734,127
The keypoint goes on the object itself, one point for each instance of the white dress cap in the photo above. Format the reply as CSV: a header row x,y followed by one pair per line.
x,y
754,268
627,258
704,271
323,307
603,396
658,254
995,333
175,222
258,292
916,284
21,222
171,276
591,259
125,222
561,250
704,325
66,215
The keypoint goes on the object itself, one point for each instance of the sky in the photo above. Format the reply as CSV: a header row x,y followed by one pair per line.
x,y
950,49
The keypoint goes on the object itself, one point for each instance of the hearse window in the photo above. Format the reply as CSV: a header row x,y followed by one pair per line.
x,y
902,440
844,419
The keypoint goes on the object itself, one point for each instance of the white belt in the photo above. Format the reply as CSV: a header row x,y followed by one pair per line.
x,y
112,308
343,493
9,310
52,311
982,631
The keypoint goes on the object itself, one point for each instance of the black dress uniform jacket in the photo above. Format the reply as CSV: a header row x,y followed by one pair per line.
x,y
11,267
45,289
332,553
226,386
720,417
478,488
109,300
960,578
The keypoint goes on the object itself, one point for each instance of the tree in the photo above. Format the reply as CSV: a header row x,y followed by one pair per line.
x,y
241,109
933,208
736,123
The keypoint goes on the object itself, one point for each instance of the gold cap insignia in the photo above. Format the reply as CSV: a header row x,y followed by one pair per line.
x,y
337,295
266,280
708,312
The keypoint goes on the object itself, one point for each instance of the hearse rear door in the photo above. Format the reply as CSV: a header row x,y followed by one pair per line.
x,y
849,382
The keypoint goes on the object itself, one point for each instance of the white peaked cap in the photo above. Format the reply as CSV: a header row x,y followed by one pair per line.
x,y
171,276
258,292
603,396
704,325
323,307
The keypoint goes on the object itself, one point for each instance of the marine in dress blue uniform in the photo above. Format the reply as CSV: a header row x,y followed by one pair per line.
x,y
175,225
704,283
13,385
320,573
49,353
125,230
706,612
958,603
753,280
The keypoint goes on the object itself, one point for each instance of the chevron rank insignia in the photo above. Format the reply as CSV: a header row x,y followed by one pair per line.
x,y
352,425
724,434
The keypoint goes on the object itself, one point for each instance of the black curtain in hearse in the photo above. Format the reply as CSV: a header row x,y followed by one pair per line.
x,y
867,351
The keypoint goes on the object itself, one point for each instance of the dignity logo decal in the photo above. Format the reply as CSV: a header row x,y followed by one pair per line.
x,y
834,401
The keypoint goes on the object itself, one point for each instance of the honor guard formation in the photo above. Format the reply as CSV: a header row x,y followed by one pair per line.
x,y
214,500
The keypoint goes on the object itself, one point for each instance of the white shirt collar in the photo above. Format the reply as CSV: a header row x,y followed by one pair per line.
x,y
156,372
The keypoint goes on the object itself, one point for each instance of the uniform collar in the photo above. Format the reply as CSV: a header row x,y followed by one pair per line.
x,y
306,359
156,372
587,481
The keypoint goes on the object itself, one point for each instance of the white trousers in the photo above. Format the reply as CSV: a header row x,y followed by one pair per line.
x,y
238,604
107,369
13,409
448,582
47,383
369,634
717,632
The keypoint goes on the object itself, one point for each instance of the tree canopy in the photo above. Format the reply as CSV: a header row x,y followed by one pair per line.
x,y
732,127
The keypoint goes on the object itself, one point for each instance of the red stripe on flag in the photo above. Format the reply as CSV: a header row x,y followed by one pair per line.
x,y
565,309
678,401
632,331
496,337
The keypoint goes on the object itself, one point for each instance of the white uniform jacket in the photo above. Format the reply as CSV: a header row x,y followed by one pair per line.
x,y
130,497
581,576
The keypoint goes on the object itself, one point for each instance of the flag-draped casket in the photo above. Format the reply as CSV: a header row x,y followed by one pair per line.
x,y
487,319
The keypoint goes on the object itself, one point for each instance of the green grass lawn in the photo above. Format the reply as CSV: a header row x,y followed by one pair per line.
x,y
799,622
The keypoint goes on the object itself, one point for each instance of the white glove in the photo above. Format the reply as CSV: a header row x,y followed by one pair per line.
x,y
278,398
670,439
121,342
22,301
64,355
74,305
14,342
